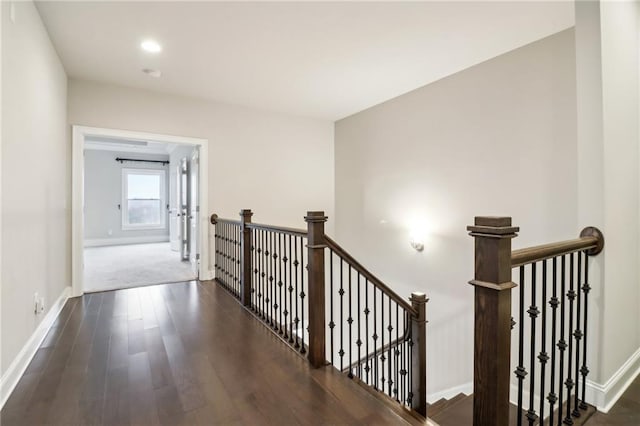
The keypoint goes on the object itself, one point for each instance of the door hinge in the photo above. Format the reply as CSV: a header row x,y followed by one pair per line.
x,y
198,256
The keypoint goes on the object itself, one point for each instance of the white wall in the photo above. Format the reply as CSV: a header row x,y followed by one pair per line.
x,y
278,165
609,185
36,175
103,194
621,184
496,139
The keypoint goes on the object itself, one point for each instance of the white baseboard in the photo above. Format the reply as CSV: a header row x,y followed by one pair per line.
x,y
100,242
209,275
466,389
604,396
20,363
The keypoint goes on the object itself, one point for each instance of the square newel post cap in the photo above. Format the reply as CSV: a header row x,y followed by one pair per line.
x,y
315,216
246,213
493,227
418,297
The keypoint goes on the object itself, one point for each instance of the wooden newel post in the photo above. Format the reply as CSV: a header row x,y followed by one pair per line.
x,y
492,341
315,246
419,353
245,261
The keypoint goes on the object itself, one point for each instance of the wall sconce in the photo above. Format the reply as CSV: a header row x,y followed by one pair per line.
x,y
416,237
416,244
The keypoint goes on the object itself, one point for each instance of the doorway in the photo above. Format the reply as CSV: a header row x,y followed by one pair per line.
x,y
157,234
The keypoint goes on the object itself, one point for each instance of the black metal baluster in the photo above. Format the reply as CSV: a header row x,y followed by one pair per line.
x,y
332,324
238,263
562,345
584,370
401,390
350,321
274,281
382,357
543,357
396,352
279,305
520,370
389,357
569,382
341,293
227,256
285,312
366,329
577,335
265,276
276,263
268,278
359,341
303,350
552,398
296,263
224,254
236,268
410,368
533,314
375,341
290,288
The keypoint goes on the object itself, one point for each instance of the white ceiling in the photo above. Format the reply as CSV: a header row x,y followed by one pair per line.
x,y
323,60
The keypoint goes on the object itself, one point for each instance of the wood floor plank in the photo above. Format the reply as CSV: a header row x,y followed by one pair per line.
x,y
177,354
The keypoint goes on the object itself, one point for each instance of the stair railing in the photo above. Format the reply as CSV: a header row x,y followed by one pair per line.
x,y
324,304
556,269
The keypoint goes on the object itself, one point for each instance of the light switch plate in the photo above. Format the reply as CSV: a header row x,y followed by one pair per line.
x,y
12,12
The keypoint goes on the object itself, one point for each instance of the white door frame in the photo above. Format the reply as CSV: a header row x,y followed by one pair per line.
x,y
79,134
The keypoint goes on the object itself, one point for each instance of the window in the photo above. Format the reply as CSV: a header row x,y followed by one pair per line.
x,y
143,199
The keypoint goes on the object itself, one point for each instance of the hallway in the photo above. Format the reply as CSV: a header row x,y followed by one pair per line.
x,y
178,354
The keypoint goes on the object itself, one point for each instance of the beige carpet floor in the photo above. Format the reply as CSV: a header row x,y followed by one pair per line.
x,y
113,267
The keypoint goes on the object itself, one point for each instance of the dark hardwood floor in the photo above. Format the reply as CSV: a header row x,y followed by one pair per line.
x,y
178,354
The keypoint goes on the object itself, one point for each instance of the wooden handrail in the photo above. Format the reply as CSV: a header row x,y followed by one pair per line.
x,y
280,229
590,239
215,219
369,276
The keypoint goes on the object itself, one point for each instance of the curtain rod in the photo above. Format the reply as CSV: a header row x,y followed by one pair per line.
x,y
122,160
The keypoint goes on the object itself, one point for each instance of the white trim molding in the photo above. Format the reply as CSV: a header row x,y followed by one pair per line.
x,y
604,396
20,363
466,389
100,242
79,135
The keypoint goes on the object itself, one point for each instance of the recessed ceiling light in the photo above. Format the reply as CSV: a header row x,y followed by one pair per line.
x,y
151,46
152,73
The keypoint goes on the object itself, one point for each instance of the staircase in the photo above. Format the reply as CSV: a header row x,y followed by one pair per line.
x,y
333,311
458,411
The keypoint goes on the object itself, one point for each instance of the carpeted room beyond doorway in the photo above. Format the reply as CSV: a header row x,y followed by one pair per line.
x,y
123,266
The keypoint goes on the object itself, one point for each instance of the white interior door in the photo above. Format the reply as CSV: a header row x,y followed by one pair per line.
x,y
184,203
194,212
174,213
